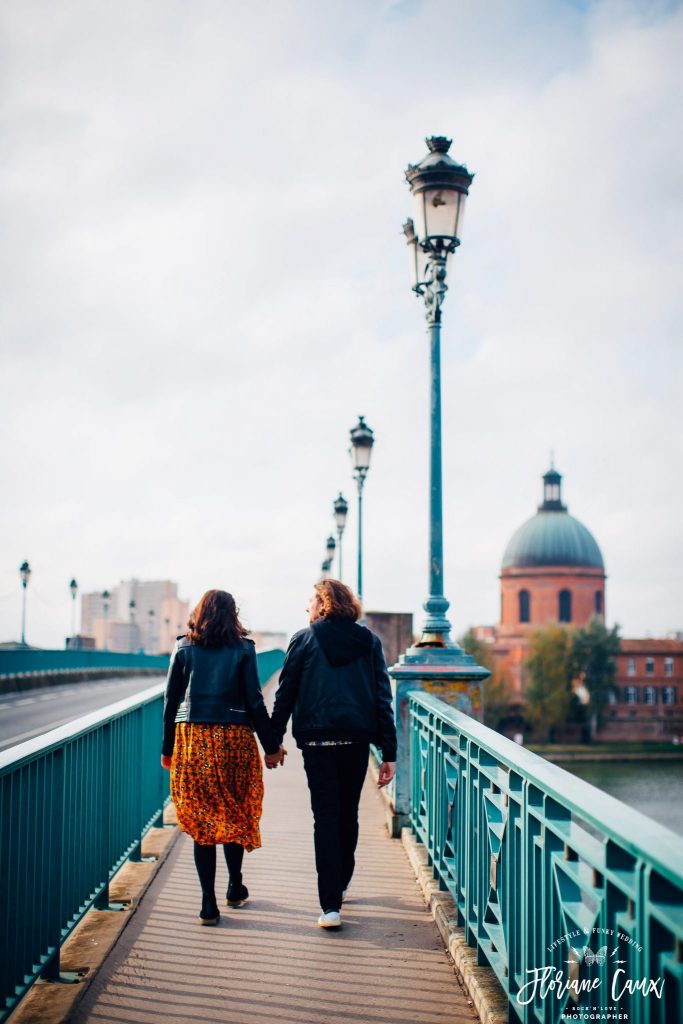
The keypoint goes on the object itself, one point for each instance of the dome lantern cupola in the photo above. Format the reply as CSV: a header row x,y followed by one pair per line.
x,y
552,492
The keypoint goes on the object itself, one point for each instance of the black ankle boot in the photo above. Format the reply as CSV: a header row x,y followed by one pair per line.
x,y
209,914
237,894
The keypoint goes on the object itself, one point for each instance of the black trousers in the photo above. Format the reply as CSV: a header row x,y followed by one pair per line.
x,y
335,779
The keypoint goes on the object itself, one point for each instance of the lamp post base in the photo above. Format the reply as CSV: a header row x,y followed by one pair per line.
x,y
443,669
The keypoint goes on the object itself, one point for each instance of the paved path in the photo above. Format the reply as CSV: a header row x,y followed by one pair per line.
x,y
269,961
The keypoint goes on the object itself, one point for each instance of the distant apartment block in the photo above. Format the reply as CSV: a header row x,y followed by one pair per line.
x,y
142,615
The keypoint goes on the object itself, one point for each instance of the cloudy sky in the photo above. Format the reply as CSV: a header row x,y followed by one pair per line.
x,y
203,283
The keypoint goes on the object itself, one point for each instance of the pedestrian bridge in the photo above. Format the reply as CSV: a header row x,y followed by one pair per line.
x,y
554,899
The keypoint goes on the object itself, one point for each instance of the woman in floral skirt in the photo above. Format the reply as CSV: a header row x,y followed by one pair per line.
x,y
212,707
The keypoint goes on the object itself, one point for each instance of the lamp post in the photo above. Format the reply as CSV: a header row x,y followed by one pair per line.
x,y
73,587
25,576
150,613
341,509
105,608
325,568
362,440
439,187
131,616
330,548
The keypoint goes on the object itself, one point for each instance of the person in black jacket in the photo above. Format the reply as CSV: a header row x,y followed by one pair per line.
x,y
212,706
335,684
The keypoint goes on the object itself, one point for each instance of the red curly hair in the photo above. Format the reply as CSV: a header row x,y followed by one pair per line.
x,y
338,600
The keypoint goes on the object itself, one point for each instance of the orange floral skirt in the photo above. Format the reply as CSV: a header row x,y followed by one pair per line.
x,y
217,783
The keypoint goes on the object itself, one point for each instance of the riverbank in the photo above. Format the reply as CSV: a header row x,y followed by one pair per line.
x,y
562,753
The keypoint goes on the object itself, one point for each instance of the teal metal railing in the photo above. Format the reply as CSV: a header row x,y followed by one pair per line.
x,y
17,661
555,883
74,805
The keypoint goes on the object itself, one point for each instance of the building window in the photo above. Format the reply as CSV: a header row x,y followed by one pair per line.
x,y
565,610
650,695
631,694
631,667
598,602
669,695
524,606
649,666
612,695
668,666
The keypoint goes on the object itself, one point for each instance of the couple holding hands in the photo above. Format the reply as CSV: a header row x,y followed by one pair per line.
x,y
335,686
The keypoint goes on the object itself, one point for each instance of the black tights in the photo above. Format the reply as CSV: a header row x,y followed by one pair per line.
x,y
205,862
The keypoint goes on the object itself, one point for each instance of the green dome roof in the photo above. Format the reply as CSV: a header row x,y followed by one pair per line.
x,y
552,536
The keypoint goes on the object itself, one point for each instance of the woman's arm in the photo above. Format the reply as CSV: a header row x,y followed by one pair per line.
x,y
253,698
176,684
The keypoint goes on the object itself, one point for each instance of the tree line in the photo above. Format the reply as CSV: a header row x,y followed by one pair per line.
x,y
568,675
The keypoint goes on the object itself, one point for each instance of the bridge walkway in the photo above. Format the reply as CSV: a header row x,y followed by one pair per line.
x,y
269,961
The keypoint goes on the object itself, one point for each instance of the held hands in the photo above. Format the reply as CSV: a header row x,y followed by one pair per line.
x,y
387,770
273,760
166,762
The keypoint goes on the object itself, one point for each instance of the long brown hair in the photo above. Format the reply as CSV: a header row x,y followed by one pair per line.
x,y
215,621
338,600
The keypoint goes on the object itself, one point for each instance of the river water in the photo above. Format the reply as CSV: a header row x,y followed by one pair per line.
x,y
654,788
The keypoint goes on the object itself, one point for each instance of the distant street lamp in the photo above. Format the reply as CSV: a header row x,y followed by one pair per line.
x,y
25,576
131,616
330,547
105,608
362,440
73,587
150,614
325,568
341,509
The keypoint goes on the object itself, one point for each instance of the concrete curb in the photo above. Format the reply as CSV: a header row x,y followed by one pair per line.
x,y
86,949
480,983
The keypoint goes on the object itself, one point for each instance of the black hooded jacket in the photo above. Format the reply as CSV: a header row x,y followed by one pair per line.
x,y
335,684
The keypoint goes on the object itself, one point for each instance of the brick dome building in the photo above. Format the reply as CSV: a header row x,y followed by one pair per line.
x,y
552,568
552,571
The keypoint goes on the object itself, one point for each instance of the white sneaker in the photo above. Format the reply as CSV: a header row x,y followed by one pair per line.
x,y
330,919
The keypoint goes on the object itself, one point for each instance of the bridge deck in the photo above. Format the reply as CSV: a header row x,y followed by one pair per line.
x,y
269,961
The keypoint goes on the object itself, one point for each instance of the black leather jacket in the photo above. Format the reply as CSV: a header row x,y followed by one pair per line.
x,y
335,684
215,684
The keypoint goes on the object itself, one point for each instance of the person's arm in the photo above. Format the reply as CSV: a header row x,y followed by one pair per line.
x,y
176,685
288,686
386,725
253,698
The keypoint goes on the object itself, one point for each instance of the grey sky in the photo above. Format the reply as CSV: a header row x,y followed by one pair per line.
x,y
204,282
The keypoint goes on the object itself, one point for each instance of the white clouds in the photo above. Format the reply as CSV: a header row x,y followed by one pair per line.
x,y
204,283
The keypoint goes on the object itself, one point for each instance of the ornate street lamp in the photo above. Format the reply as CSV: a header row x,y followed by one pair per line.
x,y
439,187
330,548
105,608
73,587
25,576
325,568
362,440
341,509
150,613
